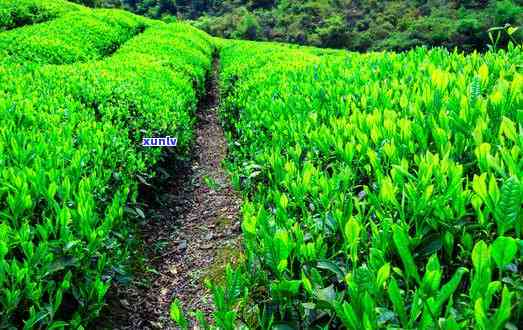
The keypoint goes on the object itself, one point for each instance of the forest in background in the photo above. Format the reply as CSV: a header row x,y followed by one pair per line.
x,y
360,25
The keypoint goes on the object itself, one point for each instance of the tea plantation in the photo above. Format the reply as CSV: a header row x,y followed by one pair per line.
x,y
70,152
383,190
380,190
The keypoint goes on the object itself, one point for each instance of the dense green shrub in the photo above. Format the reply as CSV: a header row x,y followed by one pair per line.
x,y
70,153
77,36
248,28
382,190
23,12
507,11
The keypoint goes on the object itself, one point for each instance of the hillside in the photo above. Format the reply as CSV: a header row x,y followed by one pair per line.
x,y
365,24
351,24
307,188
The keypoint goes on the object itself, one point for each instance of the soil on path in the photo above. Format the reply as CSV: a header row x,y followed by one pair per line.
x,y
190,234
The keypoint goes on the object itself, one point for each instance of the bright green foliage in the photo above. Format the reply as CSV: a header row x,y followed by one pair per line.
x,y
382,189
177,316
70,151
77,36
191,47
16,13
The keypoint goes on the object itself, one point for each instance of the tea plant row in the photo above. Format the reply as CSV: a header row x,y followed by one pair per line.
x,y
76,36
18,13
381,189
71,155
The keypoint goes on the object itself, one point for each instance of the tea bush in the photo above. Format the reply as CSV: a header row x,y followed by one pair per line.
x,y
382,190
24,12
77,36
70,157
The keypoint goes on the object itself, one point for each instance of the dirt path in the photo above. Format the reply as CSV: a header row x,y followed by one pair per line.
x,y
191,233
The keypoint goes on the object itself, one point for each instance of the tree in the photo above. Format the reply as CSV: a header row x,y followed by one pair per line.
x,y
265,4
89,3
249,28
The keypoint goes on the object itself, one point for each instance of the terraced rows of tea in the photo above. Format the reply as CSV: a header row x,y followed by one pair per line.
x,y
380,190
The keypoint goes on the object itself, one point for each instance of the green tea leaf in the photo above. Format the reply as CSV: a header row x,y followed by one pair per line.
x,y
504,249
177,315
383,275
401,241
449,288
508,209
481,257
327,294
502,315
397,302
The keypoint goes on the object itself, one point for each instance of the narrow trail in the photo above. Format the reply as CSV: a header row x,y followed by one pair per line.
x,y
209,231
191,234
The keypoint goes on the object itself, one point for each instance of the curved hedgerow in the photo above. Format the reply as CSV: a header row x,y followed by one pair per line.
x,y
70,154
191,45
78,36
17,13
